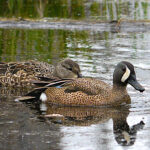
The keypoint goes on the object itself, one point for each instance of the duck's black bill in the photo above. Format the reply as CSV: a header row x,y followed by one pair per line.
x,y
132,81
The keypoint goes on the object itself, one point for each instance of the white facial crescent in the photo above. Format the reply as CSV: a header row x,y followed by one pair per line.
x,y
125,75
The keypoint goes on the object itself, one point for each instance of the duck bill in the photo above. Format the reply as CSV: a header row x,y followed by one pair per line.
x,y
133,82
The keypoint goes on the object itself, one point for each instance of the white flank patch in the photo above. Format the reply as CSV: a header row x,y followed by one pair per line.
x,y
43,97
125,75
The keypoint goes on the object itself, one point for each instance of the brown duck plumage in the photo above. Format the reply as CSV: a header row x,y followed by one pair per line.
x,y
86,92
93,92
23,73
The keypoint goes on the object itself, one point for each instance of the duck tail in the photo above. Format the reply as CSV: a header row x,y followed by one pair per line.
x,y
36,93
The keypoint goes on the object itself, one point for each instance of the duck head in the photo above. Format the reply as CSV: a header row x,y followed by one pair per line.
x,y
124,74
68,69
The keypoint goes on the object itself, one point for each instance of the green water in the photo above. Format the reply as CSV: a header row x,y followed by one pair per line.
x,y
45,45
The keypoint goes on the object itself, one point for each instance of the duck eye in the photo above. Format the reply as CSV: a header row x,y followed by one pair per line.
x,y
123,69
70,69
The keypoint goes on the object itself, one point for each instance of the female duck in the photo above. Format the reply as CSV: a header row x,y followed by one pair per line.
x,y
23,73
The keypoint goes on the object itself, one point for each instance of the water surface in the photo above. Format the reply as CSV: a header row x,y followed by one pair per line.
x,y
97,53
34,125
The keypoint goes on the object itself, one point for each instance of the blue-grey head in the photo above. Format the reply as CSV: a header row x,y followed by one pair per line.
x,y
125,74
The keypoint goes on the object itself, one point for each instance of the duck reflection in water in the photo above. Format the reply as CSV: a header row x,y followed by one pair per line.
x,y
86,116
124,134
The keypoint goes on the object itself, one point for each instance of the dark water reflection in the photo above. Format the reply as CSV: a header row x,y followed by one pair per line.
x,y
21,129
80,116
76,120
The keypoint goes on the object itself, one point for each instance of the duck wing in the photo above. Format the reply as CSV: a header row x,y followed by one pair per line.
x,y
90,86
87,86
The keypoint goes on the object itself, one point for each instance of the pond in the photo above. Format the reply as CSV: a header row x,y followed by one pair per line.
x,y
97,49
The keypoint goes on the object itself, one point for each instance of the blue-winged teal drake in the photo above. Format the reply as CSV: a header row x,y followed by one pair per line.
x,y
23,73
92,92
